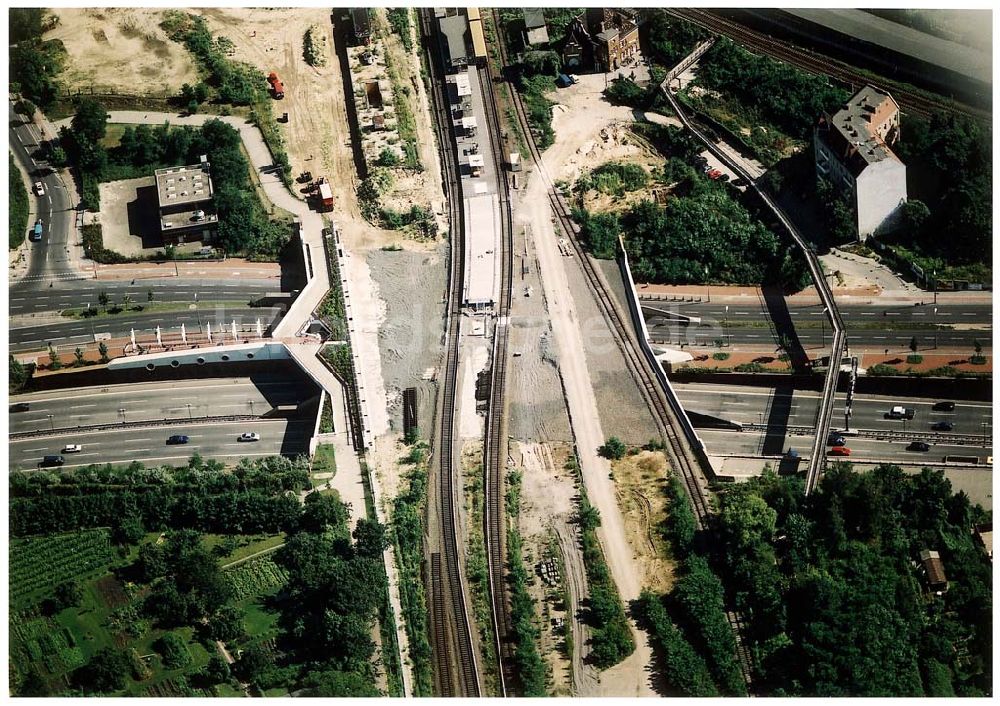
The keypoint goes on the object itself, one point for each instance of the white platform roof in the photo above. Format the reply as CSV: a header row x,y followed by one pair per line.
x,y
482,251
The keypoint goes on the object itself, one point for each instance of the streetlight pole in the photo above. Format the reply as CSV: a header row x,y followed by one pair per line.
x,y
707,285
251,407
121,411
52,424
725,322
934,277
189,410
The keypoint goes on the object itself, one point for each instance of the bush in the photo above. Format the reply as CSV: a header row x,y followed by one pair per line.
x,y
93,247
17,207
617,178
91,197
749,368
684,669
914,359
613,449
623,91
720,356
173,650
882,370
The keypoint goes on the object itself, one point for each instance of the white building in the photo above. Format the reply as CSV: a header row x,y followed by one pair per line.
x,y
853,153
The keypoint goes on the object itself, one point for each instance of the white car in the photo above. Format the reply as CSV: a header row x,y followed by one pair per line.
x,y
72,448
249,436
39,188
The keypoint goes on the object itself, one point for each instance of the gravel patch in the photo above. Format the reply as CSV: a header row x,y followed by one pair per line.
x,y
410,337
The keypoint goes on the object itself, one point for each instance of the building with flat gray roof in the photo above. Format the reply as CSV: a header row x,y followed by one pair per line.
x,y
482,250
184,196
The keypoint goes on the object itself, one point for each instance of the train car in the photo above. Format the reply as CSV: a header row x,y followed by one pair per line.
x,y
478,37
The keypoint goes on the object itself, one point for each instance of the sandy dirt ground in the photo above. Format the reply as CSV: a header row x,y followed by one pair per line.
x,y
121,49
119,232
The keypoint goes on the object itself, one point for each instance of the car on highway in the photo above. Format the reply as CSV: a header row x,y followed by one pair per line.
x,y
840,451
72,448
52,461
899,412
835,440
35,234
177,439
944,407
39,188
249,436
942,426
20,407
918,446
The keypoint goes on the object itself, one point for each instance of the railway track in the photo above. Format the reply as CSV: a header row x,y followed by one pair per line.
x,y
910,101
455,669
495,449
681,455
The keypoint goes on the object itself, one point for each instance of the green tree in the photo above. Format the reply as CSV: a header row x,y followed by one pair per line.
x,y
149,296
370,538
339,684
103,299
623,91
322,512
90,121
201,92
192,107
33,67
173,650
105,673
26,108
545,63
913,344
126,301
915,214
55,362
226,624
78,356
17,375
25,23
613,449
216,671
102,350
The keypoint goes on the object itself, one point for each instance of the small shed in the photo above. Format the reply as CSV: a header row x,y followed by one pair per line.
x,y
934,570
535,32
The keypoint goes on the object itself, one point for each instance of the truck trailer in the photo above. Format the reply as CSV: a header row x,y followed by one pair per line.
x,y
325,196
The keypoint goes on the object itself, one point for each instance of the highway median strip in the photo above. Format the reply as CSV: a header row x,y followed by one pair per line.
x,y
112,312
151,423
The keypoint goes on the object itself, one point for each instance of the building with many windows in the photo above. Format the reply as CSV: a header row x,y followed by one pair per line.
x,y
184,197
853,153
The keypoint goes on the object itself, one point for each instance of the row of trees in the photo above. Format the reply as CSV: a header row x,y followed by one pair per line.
x,y
34,64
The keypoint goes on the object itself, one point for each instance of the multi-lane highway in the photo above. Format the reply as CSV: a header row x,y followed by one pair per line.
x,y
50,258
185,402
149,445
178,399
946,324
762,405
64,331
77,294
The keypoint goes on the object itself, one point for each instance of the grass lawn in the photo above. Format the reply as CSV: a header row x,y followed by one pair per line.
x,y
324,461
247,544
113,135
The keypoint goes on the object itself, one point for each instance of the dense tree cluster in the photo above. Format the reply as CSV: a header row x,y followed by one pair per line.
x,y
670,38
830,586
682,667
785,96
34,66
950,168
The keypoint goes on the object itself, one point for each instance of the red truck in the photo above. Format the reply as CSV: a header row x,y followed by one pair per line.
x,y
325,195
276,85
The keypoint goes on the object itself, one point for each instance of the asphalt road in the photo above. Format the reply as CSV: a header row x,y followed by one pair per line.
x,y
67,331
49,257
77,294
871,326
149,445
780,409
745,443
156,401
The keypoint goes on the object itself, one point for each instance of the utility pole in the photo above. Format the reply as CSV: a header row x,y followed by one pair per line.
x,y
121,411
52,424
189,410
934,277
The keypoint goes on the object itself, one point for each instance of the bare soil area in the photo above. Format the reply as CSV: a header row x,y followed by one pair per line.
x,y
121,50
641,484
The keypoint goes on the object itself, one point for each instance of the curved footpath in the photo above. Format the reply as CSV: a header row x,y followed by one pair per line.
x,y
364,339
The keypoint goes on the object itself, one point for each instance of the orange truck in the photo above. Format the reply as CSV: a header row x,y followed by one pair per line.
x,y
276,85
325,195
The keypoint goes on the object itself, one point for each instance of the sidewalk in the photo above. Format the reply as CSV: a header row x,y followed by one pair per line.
x,y
730,294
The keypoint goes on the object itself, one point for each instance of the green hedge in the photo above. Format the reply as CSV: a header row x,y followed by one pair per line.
x,y
93,247
17,207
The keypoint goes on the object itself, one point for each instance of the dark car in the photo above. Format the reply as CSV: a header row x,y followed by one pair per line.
x,y
177,439
942,426
20,407
53,461
835,440
944,407
918,446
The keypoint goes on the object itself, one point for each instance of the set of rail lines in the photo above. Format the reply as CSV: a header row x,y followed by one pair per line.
x,y
682,457
455,669
910,101
495,449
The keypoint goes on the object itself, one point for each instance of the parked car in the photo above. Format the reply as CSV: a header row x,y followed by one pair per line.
x,y
72,448
840,451
52,461
918,446
39,188
942,426
944,407
177,439
835,440
249,436
20,407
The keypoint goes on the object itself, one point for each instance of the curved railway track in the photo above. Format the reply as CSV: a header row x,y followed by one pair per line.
x,y
910,101
455,669
665,416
